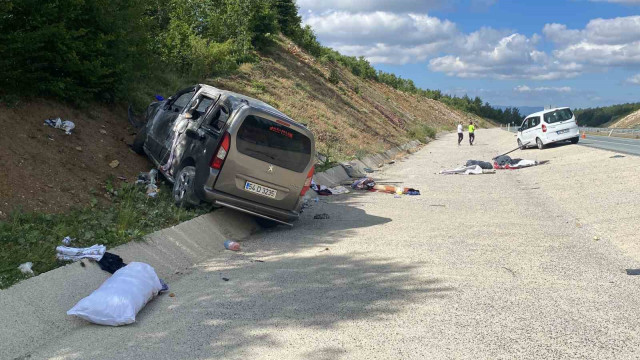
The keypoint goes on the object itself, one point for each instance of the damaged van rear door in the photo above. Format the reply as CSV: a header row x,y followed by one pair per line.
x,y
269,160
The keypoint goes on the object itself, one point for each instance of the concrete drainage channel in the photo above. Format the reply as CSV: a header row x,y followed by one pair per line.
x,y
34,311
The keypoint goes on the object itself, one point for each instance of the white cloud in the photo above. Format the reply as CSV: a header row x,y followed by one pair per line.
x,y
603,42
510,57
380,28
635,79
527,89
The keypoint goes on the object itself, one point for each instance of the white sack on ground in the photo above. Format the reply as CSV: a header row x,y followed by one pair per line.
x,y
117,301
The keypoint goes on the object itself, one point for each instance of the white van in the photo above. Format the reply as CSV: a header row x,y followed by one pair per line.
x,y
549,126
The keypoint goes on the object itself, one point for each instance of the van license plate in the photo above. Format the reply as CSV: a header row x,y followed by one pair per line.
x,y
260,190
563,131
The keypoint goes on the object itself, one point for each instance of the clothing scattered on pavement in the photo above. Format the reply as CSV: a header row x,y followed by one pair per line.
x,y
119,299
483,164
339,190
111,263
467,170
95,252
363,184
506,162
58,123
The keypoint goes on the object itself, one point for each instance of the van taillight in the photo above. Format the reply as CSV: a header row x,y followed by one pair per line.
x,y
307,182
222,152
544,128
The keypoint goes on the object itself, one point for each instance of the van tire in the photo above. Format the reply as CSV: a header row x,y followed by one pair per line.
x,y
138,141
575,140
266,223
183,188
539,143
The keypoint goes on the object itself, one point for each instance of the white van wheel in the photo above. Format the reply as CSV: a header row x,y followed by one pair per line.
x,y
540,144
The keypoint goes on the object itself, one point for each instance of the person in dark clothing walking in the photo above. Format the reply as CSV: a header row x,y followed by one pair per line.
x,y
472,135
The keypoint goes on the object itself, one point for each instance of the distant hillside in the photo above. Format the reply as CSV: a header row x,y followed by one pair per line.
x,y
631,121
605,116
524,110
349,115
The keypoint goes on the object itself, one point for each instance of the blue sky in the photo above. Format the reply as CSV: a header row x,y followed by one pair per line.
x,y
577,53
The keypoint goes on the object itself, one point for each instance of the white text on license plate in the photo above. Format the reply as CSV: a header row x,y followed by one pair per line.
x,y
260,190
563,131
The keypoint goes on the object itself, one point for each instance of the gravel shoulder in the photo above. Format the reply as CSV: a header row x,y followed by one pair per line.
x,y
477,267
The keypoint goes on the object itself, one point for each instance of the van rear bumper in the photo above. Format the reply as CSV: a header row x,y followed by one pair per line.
x,y
279,215
555,137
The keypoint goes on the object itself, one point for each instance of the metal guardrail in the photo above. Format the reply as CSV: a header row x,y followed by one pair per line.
x,y
609,131
592,130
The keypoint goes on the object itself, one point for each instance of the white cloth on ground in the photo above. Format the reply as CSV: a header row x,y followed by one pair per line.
x,y
94,252
339,190
464,170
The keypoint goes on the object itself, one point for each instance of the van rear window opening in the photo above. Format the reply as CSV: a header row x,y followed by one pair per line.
x,y
558,116
270,142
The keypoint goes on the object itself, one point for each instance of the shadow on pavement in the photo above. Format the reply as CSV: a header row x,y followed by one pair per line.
x,y
264,304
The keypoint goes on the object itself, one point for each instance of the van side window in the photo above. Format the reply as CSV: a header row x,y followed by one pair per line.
x,y
219,118
525,124
182,101
535,121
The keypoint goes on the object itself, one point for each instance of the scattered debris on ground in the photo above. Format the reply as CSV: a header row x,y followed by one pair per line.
x,y
617,156
483,164
225,279
58,123
149,179
26,268
67,241
467,170
322,216
114,164
231,245
633,272
94,252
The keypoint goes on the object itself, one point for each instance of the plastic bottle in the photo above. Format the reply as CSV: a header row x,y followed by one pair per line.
x,y
231,245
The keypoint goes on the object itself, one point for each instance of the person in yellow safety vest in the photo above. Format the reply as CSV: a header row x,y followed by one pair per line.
x,y
472,135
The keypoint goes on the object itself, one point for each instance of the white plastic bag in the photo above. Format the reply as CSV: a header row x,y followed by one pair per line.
x,y
117,301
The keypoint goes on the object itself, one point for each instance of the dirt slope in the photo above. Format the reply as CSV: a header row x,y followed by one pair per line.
x,y
629,122
43,169
352,117
48,171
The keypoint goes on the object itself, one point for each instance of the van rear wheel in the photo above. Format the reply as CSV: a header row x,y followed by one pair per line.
x,y
539,143
183,188
575,140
